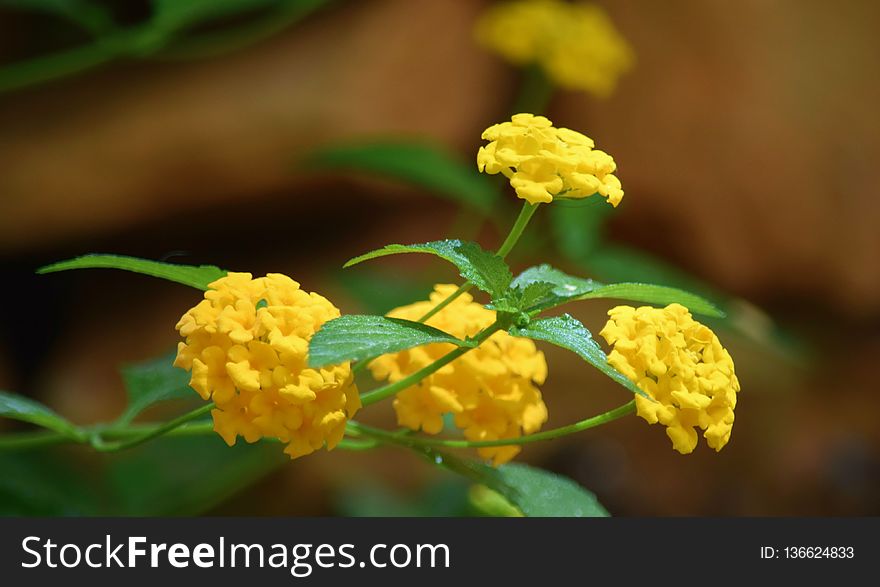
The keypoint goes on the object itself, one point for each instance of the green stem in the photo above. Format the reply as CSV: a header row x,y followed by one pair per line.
x,y
535,92
28,440
463,288
381,393
420,441
101,445
525,214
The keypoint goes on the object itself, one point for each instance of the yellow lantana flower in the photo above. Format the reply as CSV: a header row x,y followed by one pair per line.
x,y
247,345
491,391
543,162
681,364
575,43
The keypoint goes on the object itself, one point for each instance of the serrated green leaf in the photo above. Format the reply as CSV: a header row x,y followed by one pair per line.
x,y
564,287
354,338
151,382
569,288
567,332
520,298
424,165
484,269
536,492
660,295
18,407
198,277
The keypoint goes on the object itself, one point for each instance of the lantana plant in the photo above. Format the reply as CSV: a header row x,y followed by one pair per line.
x,y
461,370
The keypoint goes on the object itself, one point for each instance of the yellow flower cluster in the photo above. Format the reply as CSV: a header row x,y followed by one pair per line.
x,y
576,44
681,364
543,162
247,344
491,391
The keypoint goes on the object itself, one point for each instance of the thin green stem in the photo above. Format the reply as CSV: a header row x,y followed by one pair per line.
x,y
463,288
525,214
403,439
522,220
100,444
357,445
535,92
36,439
381,393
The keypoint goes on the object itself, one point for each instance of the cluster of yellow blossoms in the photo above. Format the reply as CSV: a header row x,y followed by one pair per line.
x,y
491,391
576,44
679,363
247,345
543,162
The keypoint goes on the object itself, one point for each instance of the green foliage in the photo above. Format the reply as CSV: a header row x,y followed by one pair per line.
x,y
568,333
17,407
485,270
194,276
537,493
561,287
354,338
177,28
168,476
427,166
567,288
151,382
659,295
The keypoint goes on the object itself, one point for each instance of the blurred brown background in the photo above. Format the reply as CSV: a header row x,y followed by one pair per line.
x,y
747,140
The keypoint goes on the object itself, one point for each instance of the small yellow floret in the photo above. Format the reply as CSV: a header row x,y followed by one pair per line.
x,y
681,364
543,162
247,347
491,391
574,43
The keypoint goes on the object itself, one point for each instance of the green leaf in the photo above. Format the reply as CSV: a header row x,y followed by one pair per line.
x,y
17,407
354,338
616,263
424,165
567,332
153,381
198,277
564,287
537,493
655,294
569,288
484,269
